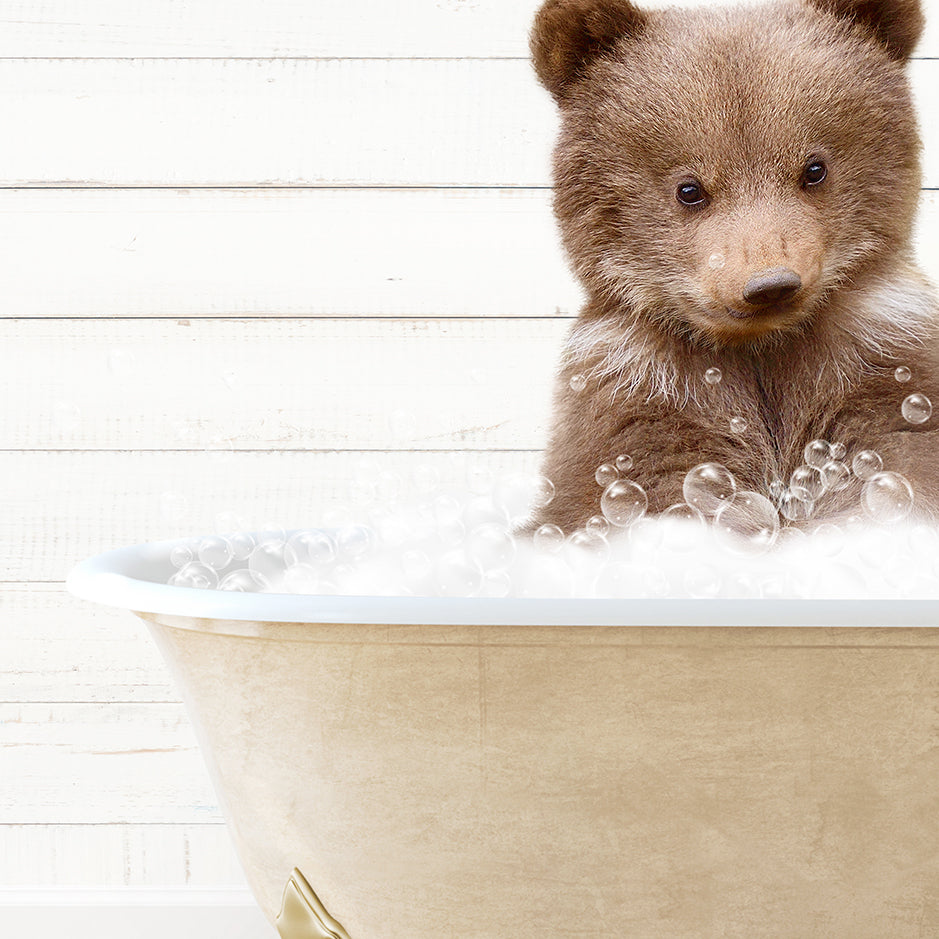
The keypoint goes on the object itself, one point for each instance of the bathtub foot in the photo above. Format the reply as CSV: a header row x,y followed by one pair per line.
x,y
302,916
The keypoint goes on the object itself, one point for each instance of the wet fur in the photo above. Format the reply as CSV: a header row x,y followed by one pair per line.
x,y
740,96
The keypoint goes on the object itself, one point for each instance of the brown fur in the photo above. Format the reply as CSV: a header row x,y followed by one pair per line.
x,y
740,100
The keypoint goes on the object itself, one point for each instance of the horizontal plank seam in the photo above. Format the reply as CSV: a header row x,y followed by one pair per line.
x,y
287,187
274,450
441,318
269,58
141,824
293,58
66,186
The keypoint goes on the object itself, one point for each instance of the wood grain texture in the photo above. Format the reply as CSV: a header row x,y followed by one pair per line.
x,y
91,763
258,252
285,28
61,507
55,649
118,855
393,253
312,384
279,122
197,122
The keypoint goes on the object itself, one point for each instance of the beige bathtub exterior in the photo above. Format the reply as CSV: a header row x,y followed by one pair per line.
x,y
519,782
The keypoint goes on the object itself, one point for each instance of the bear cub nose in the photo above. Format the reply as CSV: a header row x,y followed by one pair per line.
x,y
771,286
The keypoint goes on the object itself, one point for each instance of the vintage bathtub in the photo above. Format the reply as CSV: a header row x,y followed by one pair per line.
x,y
429,768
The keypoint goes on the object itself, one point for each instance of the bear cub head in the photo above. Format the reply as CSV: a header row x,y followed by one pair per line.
x,y
722,173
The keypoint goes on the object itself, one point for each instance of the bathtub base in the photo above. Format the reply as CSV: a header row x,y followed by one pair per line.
x,y
443,782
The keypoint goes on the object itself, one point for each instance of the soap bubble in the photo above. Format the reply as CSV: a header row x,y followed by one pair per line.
x,y
866,463
195,575
623,463
215,552
916,409
623,502
902,374
542,492
241,544
181,555
457,575
605,474
584,548
496,584
817,453
683,512
243,581
738,425
549,539
806,482
354,541
310,546
887,497
578,382
794,507
271,533
451,533
708,486
267,559
751,518
716,262
713,376
491,547
836,476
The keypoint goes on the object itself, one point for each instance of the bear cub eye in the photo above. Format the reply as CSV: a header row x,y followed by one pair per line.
x,y
691,193
814,173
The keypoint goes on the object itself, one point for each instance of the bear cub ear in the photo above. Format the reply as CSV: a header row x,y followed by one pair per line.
x,y
896,24
568,33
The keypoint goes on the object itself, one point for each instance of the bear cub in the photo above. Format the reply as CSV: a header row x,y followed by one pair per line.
x,y
736,191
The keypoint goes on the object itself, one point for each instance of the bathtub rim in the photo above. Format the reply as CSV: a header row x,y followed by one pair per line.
x,y
118,578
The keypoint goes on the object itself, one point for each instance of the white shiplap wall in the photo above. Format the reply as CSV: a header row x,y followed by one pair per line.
x,y
242,245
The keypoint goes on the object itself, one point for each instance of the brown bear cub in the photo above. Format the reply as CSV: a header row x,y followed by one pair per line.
x,y
736,190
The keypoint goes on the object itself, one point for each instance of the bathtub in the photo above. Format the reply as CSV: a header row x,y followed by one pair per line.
x,y
431,768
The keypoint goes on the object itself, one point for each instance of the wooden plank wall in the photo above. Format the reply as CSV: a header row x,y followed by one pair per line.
x,y
244,247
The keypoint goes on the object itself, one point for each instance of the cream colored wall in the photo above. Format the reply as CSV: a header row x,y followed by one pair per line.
x,y
243,246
